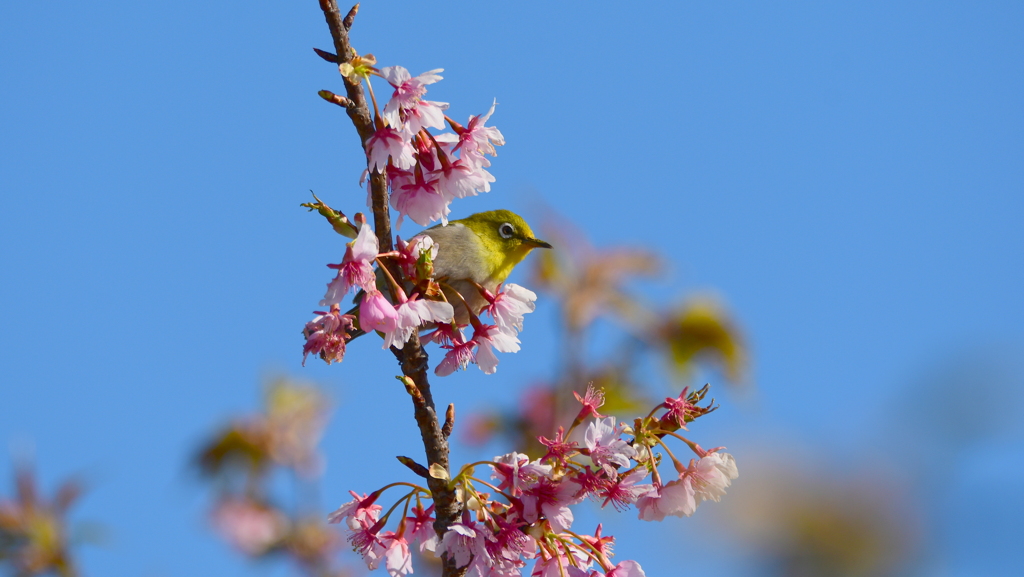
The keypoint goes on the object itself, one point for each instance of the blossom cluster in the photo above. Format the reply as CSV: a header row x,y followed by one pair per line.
x,y
327,334
523,513
426,172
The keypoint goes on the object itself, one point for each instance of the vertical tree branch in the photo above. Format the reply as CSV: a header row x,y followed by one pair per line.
x,y
359,112
412,357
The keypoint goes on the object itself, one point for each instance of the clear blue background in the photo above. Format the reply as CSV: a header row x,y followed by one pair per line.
x,y
849,179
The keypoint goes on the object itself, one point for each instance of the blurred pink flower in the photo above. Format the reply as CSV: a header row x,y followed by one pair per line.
x,y
251,527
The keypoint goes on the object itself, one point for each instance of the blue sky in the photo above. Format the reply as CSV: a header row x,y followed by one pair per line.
x,y
848,179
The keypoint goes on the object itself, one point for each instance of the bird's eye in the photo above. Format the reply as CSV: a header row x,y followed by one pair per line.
x,y
506,230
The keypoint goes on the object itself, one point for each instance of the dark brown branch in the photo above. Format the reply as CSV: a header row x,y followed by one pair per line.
x,y
412,357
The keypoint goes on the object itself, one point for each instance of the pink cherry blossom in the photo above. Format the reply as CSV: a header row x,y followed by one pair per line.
x,y
363,535
491,339
424,114
560,565
412,314
509,305
592,400
420,526
607,448
377,314
506,547
476,140
326,335
446,335
515,470
625,490
626,569
465,542
558,448
676,498
459,355
552,500
725,463
358,506
410,255
397,558
420,199
591,481
408,90
356,270
460,179
707,477
389,142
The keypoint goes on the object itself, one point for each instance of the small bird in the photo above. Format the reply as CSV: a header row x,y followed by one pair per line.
x,y
482,248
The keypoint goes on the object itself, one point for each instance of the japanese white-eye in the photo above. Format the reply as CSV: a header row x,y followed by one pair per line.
x,y
482,248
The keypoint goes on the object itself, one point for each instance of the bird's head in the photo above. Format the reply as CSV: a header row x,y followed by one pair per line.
x,y
506,238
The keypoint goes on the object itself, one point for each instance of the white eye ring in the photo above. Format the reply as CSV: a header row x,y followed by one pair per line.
x,y
506,230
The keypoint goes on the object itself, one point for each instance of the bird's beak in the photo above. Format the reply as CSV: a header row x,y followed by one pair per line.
x,y
536,243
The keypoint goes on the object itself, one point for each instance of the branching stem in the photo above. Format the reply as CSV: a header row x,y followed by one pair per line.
x,y
411,357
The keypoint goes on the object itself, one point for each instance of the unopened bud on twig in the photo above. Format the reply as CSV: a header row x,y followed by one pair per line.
x,y
328,56
350,17
414,466
449,421
410,387
335,98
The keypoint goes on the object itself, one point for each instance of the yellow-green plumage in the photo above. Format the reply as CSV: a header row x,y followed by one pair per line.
x,y
482,248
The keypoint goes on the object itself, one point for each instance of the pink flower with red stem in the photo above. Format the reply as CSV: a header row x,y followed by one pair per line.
x,y
475,140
